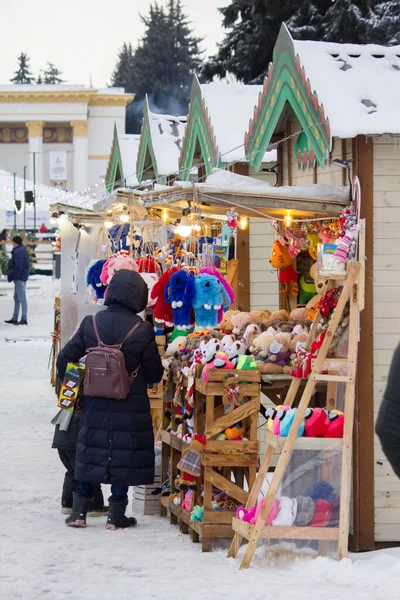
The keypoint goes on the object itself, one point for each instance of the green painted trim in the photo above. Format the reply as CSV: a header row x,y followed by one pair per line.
x,y
114,169
145,147
287,82
198,130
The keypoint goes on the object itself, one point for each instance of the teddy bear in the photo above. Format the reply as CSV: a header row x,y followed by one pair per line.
x,y
277,316
240,321
227,341
236,350
162,312
320,285
261,317
226,325
297,342
250,333
93,281
209,297
299,314
279,354
260,344
287,276
179,292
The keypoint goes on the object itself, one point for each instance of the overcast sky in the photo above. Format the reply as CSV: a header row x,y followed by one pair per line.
x,y
82,37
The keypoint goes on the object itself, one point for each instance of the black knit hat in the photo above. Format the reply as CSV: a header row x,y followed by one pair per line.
x,y
17,239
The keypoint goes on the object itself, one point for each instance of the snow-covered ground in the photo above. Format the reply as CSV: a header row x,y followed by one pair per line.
x,y
41,558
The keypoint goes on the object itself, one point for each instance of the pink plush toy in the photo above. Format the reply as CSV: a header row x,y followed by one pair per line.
x,y
115,263
276,427
273,513
220,361
240,321
245,515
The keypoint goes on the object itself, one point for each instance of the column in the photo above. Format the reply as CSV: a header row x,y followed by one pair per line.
x,y
35,132
81,160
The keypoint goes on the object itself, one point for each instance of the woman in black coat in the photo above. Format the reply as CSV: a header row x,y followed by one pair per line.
x,y
115,440
388,422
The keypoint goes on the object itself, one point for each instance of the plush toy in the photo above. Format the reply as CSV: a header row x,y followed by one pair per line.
x,y
197,513
245,515
298,342
276,426
190,462
93,280
162,311
261,317
209,297
322,514
246,363
187,503
221,361
273,512
250,333
277,316
287,512
226,324
175,342
322,490
150,280
235,433
227,341
320,285
240,321
230,299
147,265
260,345
118,235
179,292
336,424
236,350
286,419
116,263
316,422
287,276
299,314
307,289
209,349
279,354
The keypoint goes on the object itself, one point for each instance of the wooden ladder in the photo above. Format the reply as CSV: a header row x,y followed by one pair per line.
x,y
350,292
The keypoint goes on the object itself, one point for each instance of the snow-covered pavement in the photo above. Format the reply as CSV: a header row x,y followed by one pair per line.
x,y
41,558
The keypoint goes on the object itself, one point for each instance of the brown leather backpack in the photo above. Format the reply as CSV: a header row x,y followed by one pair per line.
x,y
106,375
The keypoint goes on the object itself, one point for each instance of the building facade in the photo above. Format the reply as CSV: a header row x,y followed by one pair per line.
x,y
59,134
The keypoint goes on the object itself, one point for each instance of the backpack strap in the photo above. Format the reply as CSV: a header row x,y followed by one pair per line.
x,y
96,331
128,335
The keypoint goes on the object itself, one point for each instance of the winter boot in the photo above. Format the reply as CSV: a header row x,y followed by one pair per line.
x,y
12,321
116,515
80,507
23,322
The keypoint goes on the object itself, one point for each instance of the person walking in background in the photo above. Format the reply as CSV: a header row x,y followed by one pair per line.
x,y
18,272
115,439
388,422
43,228
4,235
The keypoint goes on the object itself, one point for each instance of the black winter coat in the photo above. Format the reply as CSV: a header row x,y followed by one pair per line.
x,y
115,440
388,422
18,266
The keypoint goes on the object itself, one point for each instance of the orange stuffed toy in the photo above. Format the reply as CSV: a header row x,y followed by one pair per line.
x,y
281,260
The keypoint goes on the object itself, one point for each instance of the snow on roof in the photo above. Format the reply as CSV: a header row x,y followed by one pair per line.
x,y
129,146
359,86
58,87
230,107
166,135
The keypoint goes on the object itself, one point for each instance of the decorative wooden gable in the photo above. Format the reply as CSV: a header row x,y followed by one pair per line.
x,y
199,138
287,82
146,165
114,174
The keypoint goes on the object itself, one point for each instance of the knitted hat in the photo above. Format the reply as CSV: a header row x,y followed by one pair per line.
x,y
322,489
305,511
287,512
322,515
17,239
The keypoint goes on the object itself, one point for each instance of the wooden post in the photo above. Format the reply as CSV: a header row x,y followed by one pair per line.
x,y
243,255
363,448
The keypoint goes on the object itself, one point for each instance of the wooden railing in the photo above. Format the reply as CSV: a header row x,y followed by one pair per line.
x,y
38,252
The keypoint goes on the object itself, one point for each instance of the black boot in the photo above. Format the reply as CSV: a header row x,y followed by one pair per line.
x,y
80,507
12,321
116,515
23,322
97,508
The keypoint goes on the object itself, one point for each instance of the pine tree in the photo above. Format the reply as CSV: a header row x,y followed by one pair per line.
x,y
23,73
385,27
39,79
121,76
51,74
162,65
4,259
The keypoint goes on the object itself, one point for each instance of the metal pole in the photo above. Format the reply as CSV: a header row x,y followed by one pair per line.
x,y
34,194
15,210
24,199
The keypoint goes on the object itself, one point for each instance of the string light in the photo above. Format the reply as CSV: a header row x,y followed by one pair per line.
x,y
243,223
165,216
184,229
287,219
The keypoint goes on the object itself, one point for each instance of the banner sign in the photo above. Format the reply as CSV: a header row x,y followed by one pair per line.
x,y
58,168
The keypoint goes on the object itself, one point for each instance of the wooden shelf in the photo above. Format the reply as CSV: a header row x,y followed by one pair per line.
x,y
288,533
173,441
305,443
219,522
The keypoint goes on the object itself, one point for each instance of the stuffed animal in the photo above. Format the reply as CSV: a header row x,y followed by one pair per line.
x,y
236,350
190,462
209,349
235,433
179,292
287,276
273,512
246,363
240,321
227,342
226,324
118,235
298,342
250,333
93,280
209,297
299,314
287,421
221,361
147,265
162,311
116,263
279,414
245,515
316,422
197,513
277,316
336,424
279,354
261,317
261,343
228,289
320,286
150,280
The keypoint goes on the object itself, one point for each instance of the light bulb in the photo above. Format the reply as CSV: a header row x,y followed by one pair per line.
x,y
197,227
165,216
124,217
52,221
108,224
184,229
287,219
243,223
